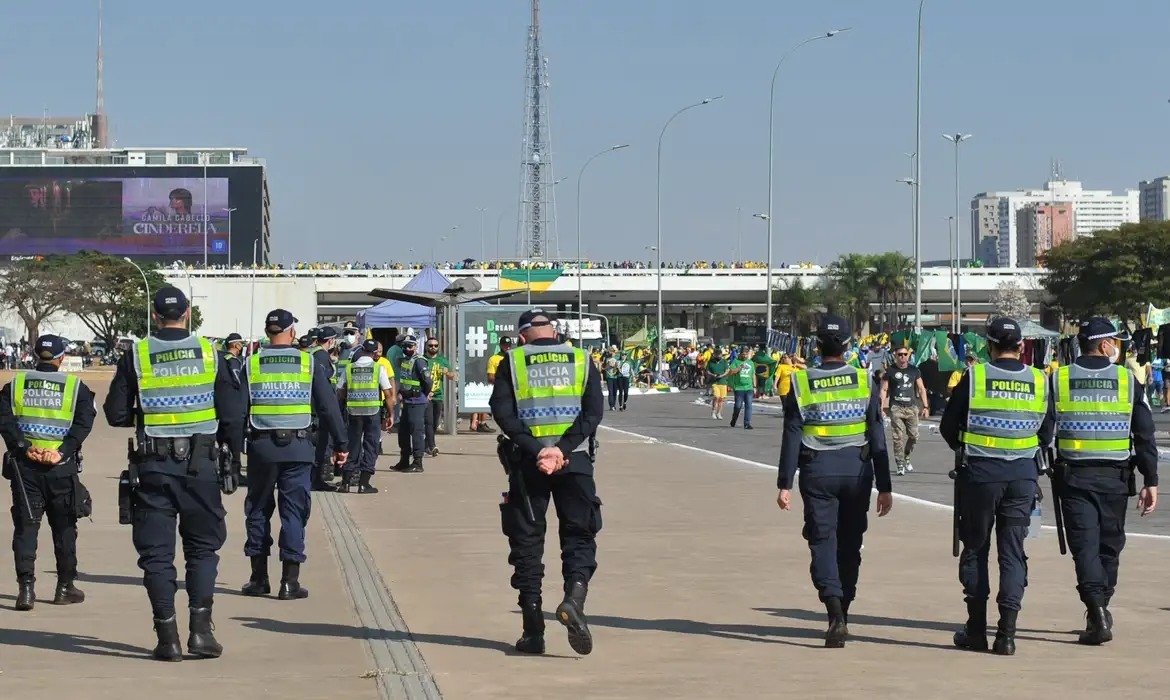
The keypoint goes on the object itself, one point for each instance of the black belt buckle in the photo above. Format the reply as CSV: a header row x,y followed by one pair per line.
x,y
181,448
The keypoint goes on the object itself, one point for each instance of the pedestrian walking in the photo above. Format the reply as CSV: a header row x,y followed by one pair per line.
x,y
901,387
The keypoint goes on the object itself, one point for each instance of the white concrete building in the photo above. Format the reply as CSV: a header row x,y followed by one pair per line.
x,y
1155,199
1094,210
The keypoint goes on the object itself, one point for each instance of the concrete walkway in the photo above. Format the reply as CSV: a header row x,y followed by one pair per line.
x,y
702,592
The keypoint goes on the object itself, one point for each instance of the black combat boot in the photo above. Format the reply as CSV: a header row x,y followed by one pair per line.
x,y
1005,635
202,642
845,613
973,636
27,597
838,631
258,584
415,466
364,485
321,478
571,613
67,593
346,482
290,585
1108,615
532,641
1097,630
403,463
168,648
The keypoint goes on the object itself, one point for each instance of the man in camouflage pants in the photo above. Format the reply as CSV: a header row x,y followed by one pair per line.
x,y
903,384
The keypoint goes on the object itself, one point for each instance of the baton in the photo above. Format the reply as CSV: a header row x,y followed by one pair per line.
x,y
1048,466
960,463
20,482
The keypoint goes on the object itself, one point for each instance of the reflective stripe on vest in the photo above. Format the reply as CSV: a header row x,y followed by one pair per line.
x,y
832,405
280,386
44,404
1007,408
1094,409
363,392
339,370
176,386
405,373
549,381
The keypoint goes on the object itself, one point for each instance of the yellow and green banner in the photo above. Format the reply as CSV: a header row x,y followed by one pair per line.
x,y
538,280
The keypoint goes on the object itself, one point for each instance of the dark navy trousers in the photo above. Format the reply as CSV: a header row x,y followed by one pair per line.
x,y
1007,507
836,512
364,434
1094,524
273,485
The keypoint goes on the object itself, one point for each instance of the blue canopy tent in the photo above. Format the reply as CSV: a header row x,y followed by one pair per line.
x,y
396,313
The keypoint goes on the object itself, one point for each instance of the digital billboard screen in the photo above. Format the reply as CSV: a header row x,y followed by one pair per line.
x,y
142,216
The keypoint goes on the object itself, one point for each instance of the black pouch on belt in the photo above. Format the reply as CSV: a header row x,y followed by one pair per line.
x,y
282,438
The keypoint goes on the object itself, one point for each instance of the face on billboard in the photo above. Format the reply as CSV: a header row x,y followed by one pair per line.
x,y
118,216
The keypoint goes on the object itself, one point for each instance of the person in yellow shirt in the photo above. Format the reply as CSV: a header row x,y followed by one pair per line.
x,y
958,374
784,372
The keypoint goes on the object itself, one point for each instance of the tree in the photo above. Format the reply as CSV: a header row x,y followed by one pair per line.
x,y
37,289
111,300
891,279
1112,273
800,303
851,288
1009,300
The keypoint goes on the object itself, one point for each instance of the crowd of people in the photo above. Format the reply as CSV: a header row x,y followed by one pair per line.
x,y
472,264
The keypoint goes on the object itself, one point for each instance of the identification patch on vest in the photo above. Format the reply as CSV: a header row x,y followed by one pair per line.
x,y
279,360
546,357
176,355
1093,384
43,393
836,381
1012,387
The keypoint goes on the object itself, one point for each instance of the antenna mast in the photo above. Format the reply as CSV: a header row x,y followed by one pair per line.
x,y
100,133
536,235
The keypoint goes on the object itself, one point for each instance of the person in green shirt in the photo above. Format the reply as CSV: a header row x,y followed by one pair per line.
x,y
717,368
440,368
743,382
765,372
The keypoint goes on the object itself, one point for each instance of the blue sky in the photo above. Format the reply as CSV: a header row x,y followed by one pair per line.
x,y
387,123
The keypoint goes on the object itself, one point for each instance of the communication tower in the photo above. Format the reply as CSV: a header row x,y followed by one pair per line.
x,y
536,236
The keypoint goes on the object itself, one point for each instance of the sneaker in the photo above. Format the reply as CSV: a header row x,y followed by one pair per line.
x,y
433,452
485,428
901,471
909,467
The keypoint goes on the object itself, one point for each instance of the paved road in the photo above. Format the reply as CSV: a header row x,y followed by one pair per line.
x,y
678,419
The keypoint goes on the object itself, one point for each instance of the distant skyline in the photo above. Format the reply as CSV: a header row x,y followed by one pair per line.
x,y
385,125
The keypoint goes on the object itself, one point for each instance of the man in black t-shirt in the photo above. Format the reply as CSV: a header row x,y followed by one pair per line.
x,y
903,384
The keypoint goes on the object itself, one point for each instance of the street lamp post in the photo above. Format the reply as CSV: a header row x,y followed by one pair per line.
x,y
918,180
957,139
771,159
205,157
482,247
252,311
580,292
146,284
229,211
953,267
658,195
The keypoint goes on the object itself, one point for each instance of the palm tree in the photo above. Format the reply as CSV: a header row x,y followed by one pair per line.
x,y
852,287
801,304
891,277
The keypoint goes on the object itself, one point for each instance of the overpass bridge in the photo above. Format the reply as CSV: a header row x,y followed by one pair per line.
x,y
231,300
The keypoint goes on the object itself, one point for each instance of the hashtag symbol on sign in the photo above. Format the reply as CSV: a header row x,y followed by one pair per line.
x,y
477,341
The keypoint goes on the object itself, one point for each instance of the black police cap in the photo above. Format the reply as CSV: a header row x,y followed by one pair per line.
x,y
1100,328
233,338
533,318
370,345
170,303
833,327
1004,331
50,347
278,321
326,333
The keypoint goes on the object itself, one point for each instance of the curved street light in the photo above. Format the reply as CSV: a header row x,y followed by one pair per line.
x,y
580,293
146,284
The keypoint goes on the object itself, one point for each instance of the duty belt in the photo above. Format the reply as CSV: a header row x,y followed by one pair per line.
x,y
181,449
281,437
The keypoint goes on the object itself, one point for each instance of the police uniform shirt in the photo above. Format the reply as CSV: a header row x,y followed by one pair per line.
x,y
503,406
843,462
365,361
231,408
902,385
321,358
1145,449
988,469
420,372
84,413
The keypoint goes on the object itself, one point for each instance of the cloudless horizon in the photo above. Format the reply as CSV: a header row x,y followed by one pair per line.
x,y
386,124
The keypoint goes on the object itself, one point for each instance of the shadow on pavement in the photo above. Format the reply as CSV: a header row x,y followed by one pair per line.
x,y
878,621
745,633
72,644
118,580
323,629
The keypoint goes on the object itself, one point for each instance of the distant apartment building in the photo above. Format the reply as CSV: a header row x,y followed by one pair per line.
x,y
985,228
1039,227
1154,199
1092,210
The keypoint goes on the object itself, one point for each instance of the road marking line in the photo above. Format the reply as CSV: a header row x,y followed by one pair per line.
x,y
897,496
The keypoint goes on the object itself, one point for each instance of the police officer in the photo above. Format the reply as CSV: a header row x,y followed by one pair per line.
x,y
414,388
286,388
234,356
323,339
833,433
547,400
306,341
365,389
45,410
998,415
1104,429
181,398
